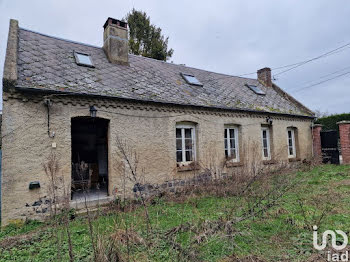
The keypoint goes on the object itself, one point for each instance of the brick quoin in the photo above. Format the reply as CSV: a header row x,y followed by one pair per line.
x,y
344,134
316,136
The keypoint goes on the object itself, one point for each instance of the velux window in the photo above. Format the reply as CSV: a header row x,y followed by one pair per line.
x,y
291,142
83,59
231,143
266,148
185,143
257,90
191,79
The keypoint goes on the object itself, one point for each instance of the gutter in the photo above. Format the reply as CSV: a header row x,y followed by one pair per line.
x,y
55,92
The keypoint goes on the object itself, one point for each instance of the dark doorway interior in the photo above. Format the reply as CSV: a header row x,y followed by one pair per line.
x,y
330,148
89,157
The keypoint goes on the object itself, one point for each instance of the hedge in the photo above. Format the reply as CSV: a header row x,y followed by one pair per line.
x,y
330,122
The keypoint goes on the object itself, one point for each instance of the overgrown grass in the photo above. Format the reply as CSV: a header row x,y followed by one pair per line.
x,y
283,233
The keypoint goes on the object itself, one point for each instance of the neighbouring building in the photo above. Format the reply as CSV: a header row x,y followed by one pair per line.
x,y
77,101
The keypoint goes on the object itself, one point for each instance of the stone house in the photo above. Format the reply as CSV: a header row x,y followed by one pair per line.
x,y
77,101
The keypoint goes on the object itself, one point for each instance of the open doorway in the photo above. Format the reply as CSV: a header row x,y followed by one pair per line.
x,y
89,158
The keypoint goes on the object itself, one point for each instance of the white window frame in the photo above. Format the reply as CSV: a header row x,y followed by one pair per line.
x,y
228,142
183,147
292,130
268,139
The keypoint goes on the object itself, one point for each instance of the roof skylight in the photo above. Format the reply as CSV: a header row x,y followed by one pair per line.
x,y
192,80
256,89
83,59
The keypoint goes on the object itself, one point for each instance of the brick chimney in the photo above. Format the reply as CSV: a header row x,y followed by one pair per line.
x,y
264,75
115,41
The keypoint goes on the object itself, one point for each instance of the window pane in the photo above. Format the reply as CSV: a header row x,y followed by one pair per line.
x,y
188,133
232,133
188,143
256,89
264,133
289,134
83,59
233,145
226,152
266,153
225,143
265,143
178,156
178,144
233,153
291,150
225,133
188,155
290,142
178,132
191,80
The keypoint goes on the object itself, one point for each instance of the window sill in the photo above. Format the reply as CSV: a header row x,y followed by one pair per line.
x,y
181,167
269,162
294,159
233,164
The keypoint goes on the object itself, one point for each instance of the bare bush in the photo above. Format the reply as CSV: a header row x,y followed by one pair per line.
x,y
58,204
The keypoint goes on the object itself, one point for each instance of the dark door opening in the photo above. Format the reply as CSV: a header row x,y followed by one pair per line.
x,y
330,149
89,158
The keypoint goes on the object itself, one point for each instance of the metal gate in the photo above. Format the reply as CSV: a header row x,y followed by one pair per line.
x,y
329,144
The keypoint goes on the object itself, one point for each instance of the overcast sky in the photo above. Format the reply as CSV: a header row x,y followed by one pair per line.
x,y
226,36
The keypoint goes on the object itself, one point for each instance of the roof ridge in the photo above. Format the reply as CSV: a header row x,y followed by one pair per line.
x,y
59,38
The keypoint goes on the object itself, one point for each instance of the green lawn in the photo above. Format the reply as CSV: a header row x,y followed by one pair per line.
x,y
282,233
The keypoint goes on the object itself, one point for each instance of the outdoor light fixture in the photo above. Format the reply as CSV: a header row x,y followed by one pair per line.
x,y
93,111
269,120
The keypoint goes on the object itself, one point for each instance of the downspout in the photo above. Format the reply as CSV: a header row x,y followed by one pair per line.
x,y
48,104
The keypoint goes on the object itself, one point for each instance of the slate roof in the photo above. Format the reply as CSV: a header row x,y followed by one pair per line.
x,y
48,63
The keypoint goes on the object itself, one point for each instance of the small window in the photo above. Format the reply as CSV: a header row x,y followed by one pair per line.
x,y
291,143
185,143
256,89
265,138
231,143
83,59
192,80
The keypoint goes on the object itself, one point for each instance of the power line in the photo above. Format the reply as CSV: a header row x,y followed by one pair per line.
x,y
321,77
332,52
295,65
306,87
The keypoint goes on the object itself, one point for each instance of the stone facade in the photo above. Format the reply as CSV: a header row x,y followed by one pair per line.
x,y
149,129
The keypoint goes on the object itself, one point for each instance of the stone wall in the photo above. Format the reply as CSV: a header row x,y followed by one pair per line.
x,y
148,129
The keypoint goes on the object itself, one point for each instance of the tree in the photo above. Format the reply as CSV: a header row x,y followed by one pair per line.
x,y
145,38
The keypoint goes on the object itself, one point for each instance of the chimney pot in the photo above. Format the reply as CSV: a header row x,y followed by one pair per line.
x,y
264,75
115,41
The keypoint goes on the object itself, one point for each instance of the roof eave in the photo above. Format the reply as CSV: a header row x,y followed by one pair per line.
x,y
55,92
